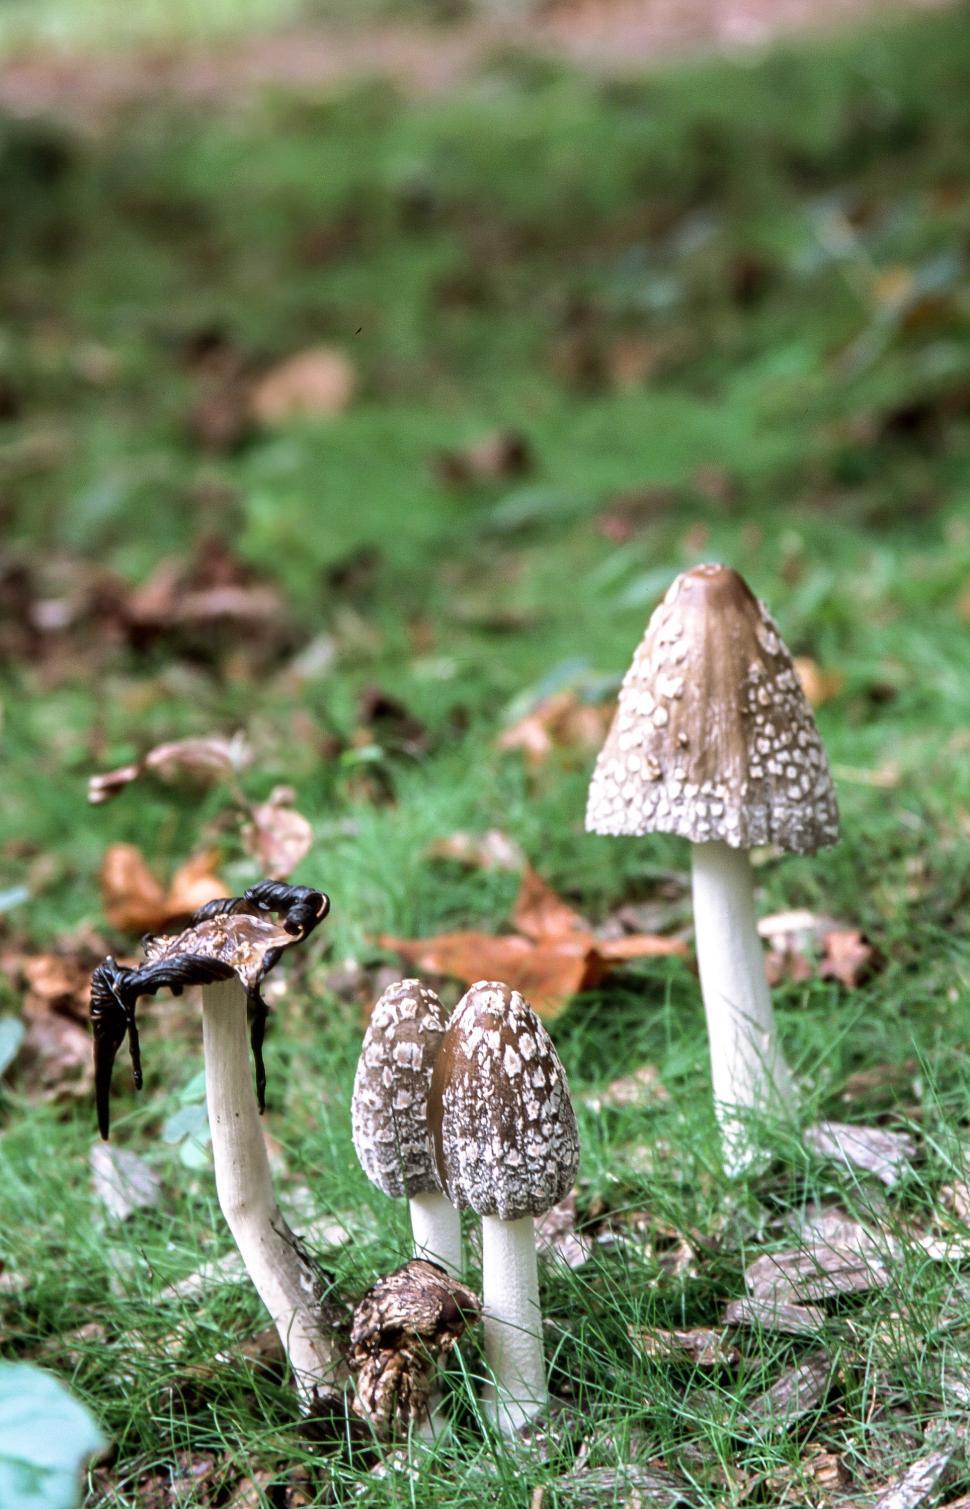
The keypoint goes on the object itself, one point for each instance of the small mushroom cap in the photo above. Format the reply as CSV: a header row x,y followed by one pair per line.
x,y
504,1132
389,1110
713,738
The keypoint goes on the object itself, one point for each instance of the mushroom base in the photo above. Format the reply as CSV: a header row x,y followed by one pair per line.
x,y
513,1324
749,1074
436,1229
283,1276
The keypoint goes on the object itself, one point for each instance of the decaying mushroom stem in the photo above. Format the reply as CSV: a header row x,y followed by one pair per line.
x,y
748,1071
283,1277
513,1323
436,1229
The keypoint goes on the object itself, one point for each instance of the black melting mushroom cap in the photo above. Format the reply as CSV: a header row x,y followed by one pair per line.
x,y
390,1100
505,1137
226,937
713,738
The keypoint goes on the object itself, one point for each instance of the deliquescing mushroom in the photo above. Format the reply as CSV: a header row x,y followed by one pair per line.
x,y
389,1113
402,1329
228,948
714,740
506,1144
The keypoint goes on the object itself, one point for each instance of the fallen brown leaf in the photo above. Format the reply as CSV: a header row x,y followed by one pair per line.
x,y
200,760
313,384
635,1487
492,850
774,1315
888,1155
539,913
700,1347
839,1256
562,721
917,1485
556,1234
55,1060
819,686
492,458
795,1394
134,901
848,958
277,836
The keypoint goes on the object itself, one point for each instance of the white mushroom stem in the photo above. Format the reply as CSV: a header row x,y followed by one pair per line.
x,y
282,1275
513,1323
749,1074
436,1229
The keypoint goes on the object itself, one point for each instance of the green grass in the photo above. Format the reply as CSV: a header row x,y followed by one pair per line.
x,y
746,225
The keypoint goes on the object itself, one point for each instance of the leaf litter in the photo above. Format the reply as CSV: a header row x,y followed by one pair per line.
x,y
553,955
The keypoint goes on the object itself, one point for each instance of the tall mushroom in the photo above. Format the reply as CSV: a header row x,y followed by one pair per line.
x,y
506,1144
714,740
228,949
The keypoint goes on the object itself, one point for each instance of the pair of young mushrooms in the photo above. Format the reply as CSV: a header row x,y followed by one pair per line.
x,y
472,1112
713,740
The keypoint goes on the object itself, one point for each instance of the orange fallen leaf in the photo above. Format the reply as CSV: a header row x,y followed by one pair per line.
x,y
848,958
201,760
134,900
562,721
819,685
310,385
539,913
560,958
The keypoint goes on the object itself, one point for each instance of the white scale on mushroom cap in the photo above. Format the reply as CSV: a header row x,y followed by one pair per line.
x,y
714,740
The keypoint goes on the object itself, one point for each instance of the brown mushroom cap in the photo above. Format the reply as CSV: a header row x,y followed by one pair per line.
x,y
713,738
237,938
502,1123
390,1100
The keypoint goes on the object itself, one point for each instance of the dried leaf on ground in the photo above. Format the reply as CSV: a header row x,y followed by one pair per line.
x,y
277,836
918,1484
819,686
806,944
123,1181
643,1087
539,913
560,958
492,458
134,900
55,1060
556,1234
839,1256
795,1394
313,384
848,958
203,761
635,1487
58,982
888,1155
701,1346
774,1315
492,850
561,721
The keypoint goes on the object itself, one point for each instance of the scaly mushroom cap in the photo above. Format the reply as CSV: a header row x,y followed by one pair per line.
x,y
713,738
234,937
501,1119
390,1100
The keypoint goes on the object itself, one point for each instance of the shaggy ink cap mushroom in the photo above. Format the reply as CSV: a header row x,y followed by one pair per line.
x,y
714,740
228,948
389,1115
390,1098
506,1144
713,737
504,1130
